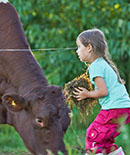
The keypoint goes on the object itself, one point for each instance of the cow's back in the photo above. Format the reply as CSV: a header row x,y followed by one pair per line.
x,y
11,31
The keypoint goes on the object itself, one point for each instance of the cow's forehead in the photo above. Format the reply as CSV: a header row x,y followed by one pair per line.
x,y
48,93
44,105
50,99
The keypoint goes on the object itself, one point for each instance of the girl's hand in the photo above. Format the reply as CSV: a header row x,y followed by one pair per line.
x,y
80,93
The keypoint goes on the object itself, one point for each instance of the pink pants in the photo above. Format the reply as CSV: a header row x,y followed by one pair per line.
x,y
101,133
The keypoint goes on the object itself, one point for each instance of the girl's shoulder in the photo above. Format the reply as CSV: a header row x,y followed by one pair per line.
x,y
98,63
100,66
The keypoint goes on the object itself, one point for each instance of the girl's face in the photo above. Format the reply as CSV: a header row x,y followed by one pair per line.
x,y
83,52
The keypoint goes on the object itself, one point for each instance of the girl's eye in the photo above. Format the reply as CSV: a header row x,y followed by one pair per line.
x,y
40,122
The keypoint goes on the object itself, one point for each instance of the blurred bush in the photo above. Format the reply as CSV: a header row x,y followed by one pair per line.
x,y
56,23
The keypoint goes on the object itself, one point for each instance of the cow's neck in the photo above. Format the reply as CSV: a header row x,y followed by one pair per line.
x,y
22,71
19,69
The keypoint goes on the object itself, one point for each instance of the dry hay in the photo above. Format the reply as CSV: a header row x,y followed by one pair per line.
x,y
85,105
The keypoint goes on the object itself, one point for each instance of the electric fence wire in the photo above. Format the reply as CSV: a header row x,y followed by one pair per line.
x,y
46,50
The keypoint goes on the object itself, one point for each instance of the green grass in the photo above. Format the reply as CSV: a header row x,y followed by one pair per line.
x,y
11,143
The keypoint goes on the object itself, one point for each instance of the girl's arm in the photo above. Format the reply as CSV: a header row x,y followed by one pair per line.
x,y
81,93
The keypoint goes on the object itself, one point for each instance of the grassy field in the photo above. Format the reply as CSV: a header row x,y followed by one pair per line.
x,y
11,143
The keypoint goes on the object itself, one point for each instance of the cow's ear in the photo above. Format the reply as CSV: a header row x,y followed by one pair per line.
x,y
13,102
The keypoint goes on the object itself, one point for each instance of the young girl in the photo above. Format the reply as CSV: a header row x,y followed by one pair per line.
x,y
109,88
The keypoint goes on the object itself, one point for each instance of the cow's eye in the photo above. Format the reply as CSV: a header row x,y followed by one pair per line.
x,y
40,122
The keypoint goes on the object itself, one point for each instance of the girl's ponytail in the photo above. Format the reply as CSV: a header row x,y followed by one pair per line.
x,y
114,68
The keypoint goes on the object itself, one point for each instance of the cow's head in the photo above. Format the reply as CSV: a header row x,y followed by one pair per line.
x,y
40,117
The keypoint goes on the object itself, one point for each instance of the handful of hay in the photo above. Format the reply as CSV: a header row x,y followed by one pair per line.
x,y
85,105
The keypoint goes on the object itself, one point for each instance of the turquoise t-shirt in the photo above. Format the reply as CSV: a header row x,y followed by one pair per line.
x,y
117,94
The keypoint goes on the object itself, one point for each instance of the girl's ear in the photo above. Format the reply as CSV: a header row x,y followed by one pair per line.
x,y
90,48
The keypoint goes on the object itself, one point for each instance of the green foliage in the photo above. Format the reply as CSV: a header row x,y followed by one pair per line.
x,y
56,23
10,141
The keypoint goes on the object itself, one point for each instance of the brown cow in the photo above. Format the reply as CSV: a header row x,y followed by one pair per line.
x,y
36,109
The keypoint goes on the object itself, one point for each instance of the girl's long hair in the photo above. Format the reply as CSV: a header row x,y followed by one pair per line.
x,y
97,39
